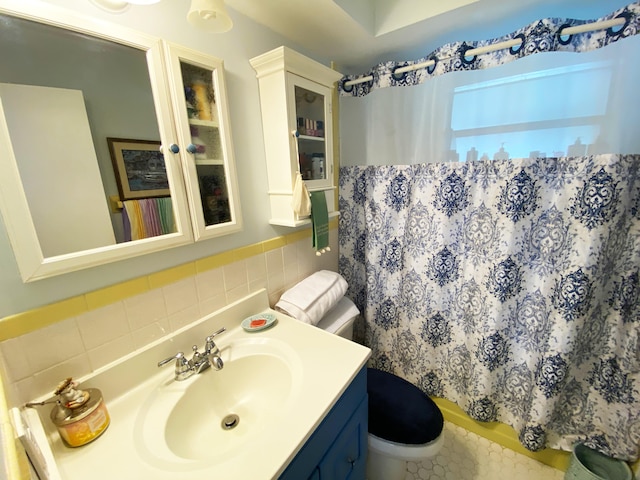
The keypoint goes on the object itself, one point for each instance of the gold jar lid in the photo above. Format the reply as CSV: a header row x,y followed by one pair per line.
x,y
74,405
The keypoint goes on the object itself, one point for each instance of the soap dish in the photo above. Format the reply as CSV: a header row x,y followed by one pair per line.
x,y
258,322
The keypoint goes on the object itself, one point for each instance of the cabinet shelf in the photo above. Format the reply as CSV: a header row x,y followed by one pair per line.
x,y
209,161
204,123
299,222
309,137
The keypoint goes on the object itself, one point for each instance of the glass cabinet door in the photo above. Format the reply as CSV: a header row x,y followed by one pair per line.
x,y
202,119
313,124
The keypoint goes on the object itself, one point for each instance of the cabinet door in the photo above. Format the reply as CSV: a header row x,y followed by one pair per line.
x,y
202,120
347,457
310,115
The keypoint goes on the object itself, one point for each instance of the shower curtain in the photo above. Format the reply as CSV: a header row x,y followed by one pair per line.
x,y
509,286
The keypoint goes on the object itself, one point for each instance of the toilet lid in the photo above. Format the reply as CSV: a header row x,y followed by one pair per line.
x,y
399,411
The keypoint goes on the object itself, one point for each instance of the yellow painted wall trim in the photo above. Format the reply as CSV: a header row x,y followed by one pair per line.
x,y
114,293
501,434
273,243
214,261
22,323
249,251
171,275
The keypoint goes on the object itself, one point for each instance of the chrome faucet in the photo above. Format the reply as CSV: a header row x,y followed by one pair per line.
x,y
200,361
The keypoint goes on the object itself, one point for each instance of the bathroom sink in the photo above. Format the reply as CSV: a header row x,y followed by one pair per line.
x,y
280,381
217,414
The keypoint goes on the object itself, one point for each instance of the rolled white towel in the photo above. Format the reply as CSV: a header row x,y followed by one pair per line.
x,y
310,299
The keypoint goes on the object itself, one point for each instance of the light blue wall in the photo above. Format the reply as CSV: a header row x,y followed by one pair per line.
x,y
246,40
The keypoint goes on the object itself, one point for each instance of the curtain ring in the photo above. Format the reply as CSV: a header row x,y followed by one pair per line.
x,y
569,37
373,79
463,55
432,68
346,88
621,28
399,77
513,50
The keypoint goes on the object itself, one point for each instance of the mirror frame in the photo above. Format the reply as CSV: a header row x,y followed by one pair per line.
x,y
13,201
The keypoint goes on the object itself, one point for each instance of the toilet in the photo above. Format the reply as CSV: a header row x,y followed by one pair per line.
x,y
404,423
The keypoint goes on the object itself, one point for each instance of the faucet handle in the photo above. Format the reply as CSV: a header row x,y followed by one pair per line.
x,y
210,345
181,361
183,369
214,334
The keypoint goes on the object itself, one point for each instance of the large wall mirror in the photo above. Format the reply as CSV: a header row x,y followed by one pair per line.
x,y
91,165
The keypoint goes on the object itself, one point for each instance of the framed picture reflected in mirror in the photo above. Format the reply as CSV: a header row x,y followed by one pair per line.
x,y
139,168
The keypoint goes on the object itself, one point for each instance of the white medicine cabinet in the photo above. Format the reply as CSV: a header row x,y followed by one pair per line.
x,y
297,110
133,142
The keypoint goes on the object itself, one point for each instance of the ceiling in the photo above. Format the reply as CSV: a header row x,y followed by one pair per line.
x,y
358,34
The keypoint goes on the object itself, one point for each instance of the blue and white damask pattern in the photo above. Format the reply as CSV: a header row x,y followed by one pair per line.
x,y
538,37
509,287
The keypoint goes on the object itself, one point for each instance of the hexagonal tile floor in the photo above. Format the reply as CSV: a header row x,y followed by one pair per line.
x,y
467,456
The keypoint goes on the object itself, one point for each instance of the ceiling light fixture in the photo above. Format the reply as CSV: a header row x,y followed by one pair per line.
x,y
143,2
209,15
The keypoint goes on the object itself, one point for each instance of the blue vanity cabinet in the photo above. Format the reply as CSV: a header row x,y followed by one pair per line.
x,y
337,450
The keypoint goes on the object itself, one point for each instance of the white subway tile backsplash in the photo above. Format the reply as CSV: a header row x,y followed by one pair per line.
x,y
36,362
257,284
111,351
275,263
212,304
180,295
235,275
237,293
209,284
290,264
256,268
24,391
103,325
275,282
15,361
145,309
151,332
52,345
46,381
306,258
184,317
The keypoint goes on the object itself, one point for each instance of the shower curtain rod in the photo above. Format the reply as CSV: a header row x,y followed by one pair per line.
x,y
587,27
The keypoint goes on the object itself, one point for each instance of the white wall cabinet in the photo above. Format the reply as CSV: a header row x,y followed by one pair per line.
x,y
177,97
296,104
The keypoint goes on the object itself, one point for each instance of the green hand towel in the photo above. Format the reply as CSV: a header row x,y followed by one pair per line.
x,y
319,220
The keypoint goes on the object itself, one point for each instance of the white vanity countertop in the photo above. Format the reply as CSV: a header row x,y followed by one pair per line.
x,y
329,365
